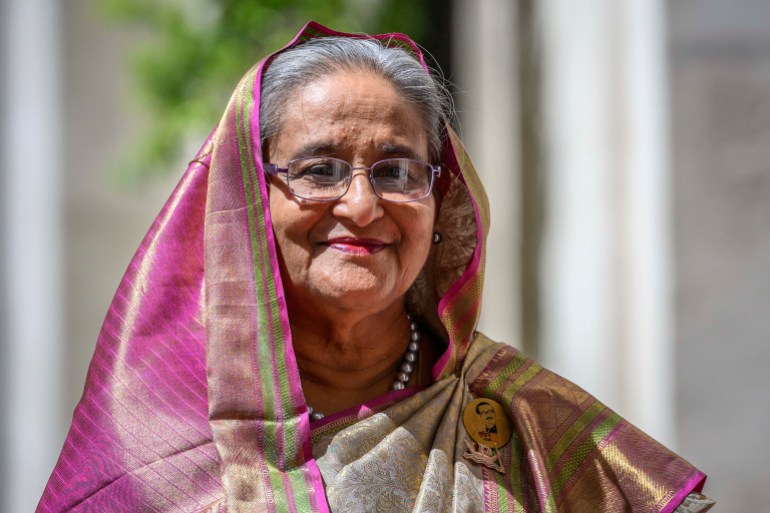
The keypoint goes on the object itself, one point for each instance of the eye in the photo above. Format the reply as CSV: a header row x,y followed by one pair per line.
x,y
391,171
321,171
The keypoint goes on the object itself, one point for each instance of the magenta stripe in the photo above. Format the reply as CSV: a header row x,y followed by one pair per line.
x,y
470,271
473,266
459,324
273,337
260,188
271,345
491,490
383,37
115,438
445,303
302,442
441,364
613,432
159,431
128,455
302,431
370,407
111,351
693,484
578,440
458,346
286,480
295,385
259,427
542,485
317,493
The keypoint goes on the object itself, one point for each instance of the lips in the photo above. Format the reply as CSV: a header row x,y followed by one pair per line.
x,y
356,245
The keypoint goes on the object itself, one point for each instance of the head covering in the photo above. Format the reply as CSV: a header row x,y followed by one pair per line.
x,y
193,401
193,385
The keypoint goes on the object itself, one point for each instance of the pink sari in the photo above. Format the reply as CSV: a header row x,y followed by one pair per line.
x,y
193,401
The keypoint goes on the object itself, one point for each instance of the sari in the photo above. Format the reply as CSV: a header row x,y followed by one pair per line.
x,y
193,401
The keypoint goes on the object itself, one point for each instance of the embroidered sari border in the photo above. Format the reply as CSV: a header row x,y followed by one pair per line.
x,y
693,484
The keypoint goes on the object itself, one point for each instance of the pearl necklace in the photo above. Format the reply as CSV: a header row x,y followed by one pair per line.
x,y
404,372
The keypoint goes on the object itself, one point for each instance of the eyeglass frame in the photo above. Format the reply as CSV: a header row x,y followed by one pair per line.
x,y
273,170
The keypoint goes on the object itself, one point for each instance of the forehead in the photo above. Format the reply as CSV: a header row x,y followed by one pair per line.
x,y
349,113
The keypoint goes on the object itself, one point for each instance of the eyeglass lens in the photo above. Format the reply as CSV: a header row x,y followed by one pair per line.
x,y
329,178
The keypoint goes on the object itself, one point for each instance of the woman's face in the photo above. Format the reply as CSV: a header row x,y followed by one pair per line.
x,y
358,252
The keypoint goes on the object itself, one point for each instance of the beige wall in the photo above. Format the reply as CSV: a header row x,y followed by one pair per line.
x,y
720,98
105,217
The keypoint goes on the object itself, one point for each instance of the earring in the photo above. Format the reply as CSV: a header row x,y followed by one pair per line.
x,y
436,237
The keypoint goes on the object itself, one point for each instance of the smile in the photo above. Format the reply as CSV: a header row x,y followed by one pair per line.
x,y
356,245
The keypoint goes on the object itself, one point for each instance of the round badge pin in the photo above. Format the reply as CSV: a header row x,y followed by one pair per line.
x,y
486,423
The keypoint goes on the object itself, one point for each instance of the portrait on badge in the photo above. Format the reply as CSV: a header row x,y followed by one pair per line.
x,y
298,329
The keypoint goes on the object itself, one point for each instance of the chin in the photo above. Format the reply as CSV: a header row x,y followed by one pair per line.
x,y
357,295
349,287
357,299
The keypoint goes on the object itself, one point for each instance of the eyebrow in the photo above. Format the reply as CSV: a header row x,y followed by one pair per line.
x,y
315,149
398,150
326,148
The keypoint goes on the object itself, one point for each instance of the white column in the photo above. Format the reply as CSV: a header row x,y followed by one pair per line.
x,y
31,276
649,217
486,75
577,269
606,293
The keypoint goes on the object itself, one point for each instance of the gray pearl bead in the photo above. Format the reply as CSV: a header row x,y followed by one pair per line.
x,y
410,357
413,347
407,367
397,386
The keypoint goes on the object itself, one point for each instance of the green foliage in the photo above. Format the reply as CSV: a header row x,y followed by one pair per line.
x,y
196,51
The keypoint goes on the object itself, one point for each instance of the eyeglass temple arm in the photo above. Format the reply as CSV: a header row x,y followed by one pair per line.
x,y
273,169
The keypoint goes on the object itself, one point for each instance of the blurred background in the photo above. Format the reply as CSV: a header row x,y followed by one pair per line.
x,y
624,145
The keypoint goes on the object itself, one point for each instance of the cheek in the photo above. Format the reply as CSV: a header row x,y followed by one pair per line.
x,y
418,230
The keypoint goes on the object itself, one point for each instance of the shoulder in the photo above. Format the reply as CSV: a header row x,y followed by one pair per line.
x,y
498,370
575,442
486,355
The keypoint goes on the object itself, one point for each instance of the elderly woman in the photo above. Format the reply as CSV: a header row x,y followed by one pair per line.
x,y
297,330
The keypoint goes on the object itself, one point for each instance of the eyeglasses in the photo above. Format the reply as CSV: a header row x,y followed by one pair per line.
x,y
328,179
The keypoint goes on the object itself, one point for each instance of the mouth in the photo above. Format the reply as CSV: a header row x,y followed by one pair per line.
x,y
356,245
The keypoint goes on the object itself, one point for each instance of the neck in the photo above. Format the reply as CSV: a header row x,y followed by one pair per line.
x,y
350,359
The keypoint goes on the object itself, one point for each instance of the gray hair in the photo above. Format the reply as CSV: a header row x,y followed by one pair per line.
x,y
320,57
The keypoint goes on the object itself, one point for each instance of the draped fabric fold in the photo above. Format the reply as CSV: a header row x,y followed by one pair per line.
x,y
568,452
193,401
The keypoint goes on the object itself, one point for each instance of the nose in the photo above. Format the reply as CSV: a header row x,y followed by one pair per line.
x,y
359,204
